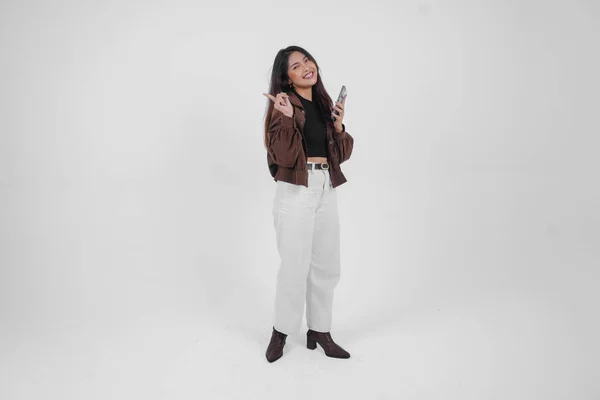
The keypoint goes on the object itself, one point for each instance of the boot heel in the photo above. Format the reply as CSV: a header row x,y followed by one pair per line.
x,y
311,344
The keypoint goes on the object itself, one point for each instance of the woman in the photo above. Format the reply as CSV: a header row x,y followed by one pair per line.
x,y
306,143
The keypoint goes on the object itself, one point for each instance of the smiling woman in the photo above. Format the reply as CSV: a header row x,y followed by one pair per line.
x,y
305,148
296,81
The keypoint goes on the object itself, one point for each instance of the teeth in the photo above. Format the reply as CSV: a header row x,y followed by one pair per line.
x,y
308,76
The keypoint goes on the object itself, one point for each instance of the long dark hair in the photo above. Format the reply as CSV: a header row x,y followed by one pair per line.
x,y
279,83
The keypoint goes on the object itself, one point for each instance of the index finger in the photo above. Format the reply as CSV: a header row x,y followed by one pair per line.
x,y
270,96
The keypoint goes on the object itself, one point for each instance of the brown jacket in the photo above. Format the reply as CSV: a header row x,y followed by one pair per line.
x,y
286,152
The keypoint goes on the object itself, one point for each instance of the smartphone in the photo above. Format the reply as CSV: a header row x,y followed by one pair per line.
x,y
339,99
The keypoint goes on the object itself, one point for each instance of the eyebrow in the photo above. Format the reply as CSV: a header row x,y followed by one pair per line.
x,y
298,62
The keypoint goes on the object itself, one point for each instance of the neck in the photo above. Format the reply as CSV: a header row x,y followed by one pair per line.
x,y
305,92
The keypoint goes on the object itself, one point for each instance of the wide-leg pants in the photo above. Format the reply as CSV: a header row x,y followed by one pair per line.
x,y
308,240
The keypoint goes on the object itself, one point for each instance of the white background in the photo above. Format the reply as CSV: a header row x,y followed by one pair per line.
x,y
137,251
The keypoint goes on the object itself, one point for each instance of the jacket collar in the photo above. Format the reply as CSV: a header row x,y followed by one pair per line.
x,y
295,100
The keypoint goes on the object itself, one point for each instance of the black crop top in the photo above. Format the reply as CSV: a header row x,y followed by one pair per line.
x,y
314,129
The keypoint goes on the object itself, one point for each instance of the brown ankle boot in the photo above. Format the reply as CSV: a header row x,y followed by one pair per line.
x,y
329,346
275,348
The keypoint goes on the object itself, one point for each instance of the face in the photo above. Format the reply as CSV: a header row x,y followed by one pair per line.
x,y
301,71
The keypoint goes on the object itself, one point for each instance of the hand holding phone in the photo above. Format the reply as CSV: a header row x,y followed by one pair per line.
x,y
340,98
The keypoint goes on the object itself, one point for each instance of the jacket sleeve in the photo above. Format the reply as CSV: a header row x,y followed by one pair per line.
x,y
345,144
285,143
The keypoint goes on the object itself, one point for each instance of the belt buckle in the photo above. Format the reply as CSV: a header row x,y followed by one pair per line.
x,y
324,166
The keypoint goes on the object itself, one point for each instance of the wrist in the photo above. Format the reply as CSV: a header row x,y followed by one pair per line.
x,y
287,121
339,129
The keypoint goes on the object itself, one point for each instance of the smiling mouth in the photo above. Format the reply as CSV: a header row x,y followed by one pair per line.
x,y
309,75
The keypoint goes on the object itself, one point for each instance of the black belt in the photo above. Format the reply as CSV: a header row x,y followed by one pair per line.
x,y
318,165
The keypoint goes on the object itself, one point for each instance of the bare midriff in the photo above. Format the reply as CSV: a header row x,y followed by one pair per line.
x,y
317,159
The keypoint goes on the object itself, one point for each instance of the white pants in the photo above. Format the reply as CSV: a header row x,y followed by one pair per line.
x,y
308,240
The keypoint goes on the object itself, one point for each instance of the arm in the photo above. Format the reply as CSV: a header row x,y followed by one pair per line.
x,y
344,142
285,143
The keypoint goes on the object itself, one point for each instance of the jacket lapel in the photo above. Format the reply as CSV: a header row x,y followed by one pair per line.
x,y
299,117
295,100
